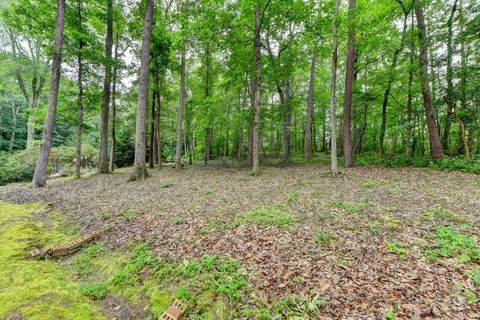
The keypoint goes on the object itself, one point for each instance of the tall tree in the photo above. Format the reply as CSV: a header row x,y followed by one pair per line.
x,y
103,162
40,174
391,76
181,101
78,152
349,78
140,168
450,99
434,138
310,102
333,93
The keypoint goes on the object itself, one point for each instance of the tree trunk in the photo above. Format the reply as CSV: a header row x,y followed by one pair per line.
x,y
287,122
78,153
114,108
40,175
434,138
103,162
140,168
463,73
333,94
207,96
157,119
310,102
257,93
349,78
181,107
391,79
408,144
450,99
15,109
151,162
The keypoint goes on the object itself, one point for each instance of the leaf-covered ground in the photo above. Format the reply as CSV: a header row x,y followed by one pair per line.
x,y
370,242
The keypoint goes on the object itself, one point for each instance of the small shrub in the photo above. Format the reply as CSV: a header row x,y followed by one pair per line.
x,y
451,244
322,237
392,247
95,290
269,216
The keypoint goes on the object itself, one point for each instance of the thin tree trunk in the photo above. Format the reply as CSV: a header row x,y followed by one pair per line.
x,y
391,79
114,107
434,138
333,94
140,168
408,144
103,161
450,99
151,162
207,96
78,153
40,174
349,79
181,107
287,122
310,102
15,109
463,72
257,94
157,119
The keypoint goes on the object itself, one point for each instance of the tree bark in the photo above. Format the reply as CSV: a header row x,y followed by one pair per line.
x,y
287,122
103,160
157,119
349,79
140,168
333,94
15,110
408,144
207,96
181,107
114,107
450,99
152,153
310,102
40,174
257,101
78,153
434,138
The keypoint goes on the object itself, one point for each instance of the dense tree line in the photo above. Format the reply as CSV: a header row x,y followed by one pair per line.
x,y
184,80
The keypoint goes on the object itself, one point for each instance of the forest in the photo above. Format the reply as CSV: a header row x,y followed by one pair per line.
x,y
240,159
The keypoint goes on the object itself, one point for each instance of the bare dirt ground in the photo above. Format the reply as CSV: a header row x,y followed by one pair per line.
x,y
360,243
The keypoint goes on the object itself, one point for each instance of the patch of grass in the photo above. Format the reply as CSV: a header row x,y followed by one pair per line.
x,y
293,195
322,217
369,183
399,250
392,313
323,237
439,213
165,184
94,290
475,276
83,263
374,228
390,222
178,219
128,215
348,206
291,307
269,216
432,192
104,215
208,191
449,243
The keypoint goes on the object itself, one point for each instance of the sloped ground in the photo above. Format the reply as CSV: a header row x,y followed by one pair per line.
x,y
371,242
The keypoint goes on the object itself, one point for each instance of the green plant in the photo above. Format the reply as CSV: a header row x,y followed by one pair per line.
x,y
348,206
390,221
269,216
95,290
104,215
439,213
128,215
178,219
165,184
449,243
322,237
392,247
293,195
374,228
475,275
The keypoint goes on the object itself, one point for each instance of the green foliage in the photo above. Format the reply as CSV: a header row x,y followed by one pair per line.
x,y
392,247
104,215
294,195
95,290
18,166
449,243
322,237
128,214
269,216
348,206
166,183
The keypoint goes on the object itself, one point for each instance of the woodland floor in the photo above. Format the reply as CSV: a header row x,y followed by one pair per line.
x,y
368,243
